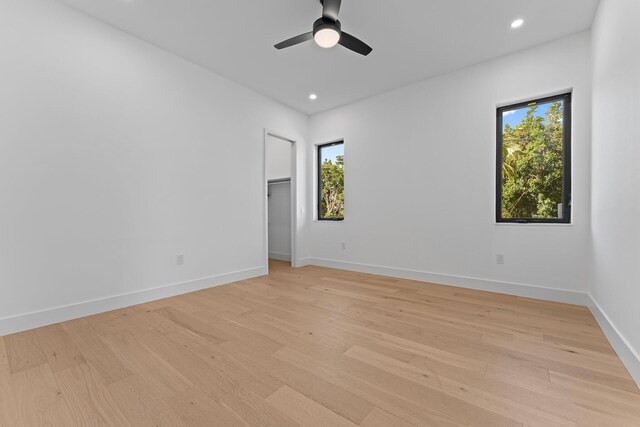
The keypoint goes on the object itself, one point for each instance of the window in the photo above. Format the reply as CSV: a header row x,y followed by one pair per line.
x,y
533,173
331,181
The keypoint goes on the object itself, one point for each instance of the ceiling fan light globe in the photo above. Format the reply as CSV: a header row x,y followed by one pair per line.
x,y
326,37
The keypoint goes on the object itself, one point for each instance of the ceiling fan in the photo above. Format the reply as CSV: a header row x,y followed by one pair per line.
x,y
327,32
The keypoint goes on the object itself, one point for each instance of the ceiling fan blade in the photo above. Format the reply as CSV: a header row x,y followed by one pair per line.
x,y
295,40
354,44
331,9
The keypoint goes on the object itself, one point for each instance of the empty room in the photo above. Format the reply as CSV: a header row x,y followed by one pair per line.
x,y
320,213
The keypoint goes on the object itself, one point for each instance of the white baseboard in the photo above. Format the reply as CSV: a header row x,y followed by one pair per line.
x,y
630,356
280,256
517,289
23,322
304,261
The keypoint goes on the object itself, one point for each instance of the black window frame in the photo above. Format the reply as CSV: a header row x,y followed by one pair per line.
x,y
566,161
319,179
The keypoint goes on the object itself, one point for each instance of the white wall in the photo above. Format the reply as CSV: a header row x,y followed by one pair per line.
x,y
116,156
615,260
278,158
429,150
280,221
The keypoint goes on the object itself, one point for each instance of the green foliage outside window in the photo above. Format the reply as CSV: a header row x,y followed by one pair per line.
x,y
532,165
332,190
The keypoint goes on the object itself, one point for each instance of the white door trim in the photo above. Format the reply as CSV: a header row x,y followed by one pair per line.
x,y
294,197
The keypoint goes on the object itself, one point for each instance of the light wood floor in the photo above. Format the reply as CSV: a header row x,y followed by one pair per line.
x,y
320,347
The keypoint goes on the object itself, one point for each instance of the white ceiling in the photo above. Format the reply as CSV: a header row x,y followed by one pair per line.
x,y
411,39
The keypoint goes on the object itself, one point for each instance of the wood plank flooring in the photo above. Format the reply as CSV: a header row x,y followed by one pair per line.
x,y
320,347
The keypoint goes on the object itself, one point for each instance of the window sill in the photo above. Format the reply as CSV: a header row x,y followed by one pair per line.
x,y
538,224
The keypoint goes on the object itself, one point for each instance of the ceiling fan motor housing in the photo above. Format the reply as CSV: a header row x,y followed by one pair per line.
x,y
325,23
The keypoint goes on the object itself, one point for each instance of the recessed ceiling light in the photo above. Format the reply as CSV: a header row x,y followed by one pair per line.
x,y
517,23
313,97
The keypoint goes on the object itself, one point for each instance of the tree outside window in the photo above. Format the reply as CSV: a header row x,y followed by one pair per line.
x,y
534,162
331,181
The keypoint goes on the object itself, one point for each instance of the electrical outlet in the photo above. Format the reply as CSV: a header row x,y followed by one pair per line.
x,y
179,259
499,258
344,245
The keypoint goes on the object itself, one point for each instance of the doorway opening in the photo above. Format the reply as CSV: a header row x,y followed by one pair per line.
x,y
280,186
